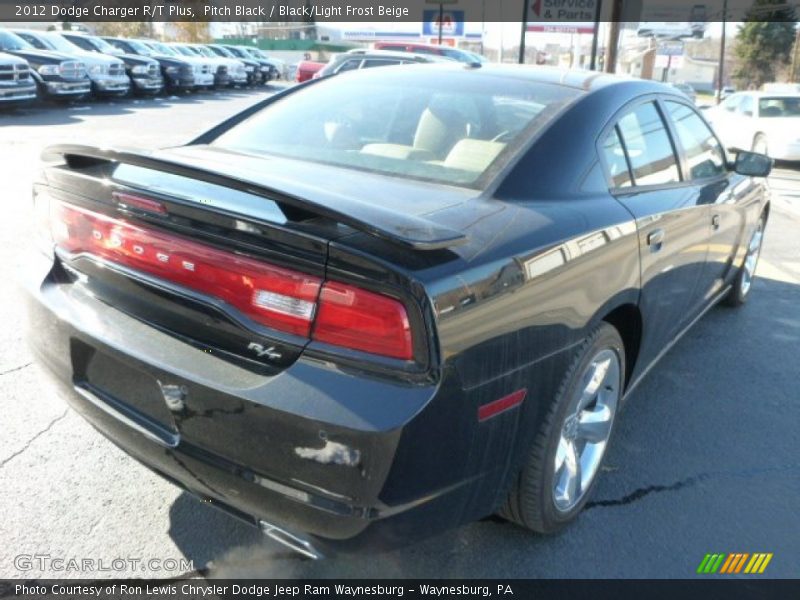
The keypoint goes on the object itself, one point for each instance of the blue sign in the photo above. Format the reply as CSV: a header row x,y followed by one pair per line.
x,y
452,23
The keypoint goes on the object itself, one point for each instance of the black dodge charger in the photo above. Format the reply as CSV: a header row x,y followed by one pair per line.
x,y
375,307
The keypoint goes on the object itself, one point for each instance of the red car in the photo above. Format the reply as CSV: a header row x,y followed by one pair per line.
x,y
306,70
419,48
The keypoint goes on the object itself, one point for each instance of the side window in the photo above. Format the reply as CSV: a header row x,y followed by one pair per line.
x,y
33,41
731,102
82,43
349,65
703,152
649,149
746,106
614,155
378,62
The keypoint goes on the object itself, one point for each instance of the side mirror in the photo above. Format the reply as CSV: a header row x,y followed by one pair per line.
x,y
753,164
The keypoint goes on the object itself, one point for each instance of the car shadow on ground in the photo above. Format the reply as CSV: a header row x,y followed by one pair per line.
x,y
681,444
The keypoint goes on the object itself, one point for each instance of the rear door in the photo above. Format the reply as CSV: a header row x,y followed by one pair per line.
x,y
646,177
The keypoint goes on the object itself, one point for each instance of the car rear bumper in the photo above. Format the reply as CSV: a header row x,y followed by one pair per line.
x,y
350,462
784,150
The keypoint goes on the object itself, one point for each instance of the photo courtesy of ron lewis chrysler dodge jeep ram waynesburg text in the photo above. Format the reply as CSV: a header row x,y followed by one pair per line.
x,y
387,303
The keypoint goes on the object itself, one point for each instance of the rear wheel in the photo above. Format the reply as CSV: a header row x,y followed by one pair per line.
x,y
559,474
744,278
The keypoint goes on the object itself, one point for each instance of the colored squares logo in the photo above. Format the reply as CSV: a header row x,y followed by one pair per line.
x,y
736,562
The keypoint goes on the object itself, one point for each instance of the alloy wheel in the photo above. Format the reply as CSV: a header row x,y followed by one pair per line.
x,y
586,429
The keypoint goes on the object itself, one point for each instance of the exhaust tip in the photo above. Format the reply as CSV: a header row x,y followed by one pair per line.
x,y
290,540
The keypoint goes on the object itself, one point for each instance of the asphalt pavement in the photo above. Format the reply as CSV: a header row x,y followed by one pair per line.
x,y
704,460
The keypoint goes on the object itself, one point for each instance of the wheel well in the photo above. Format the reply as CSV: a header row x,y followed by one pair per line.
x,y
627,320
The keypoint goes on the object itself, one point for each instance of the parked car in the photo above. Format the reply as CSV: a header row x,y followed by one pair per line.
x,y
57,76
724,92
436,50
686,89
230,72
367,59
279,68
178,74
265,69
760,121
144,72
306,69
252,67
203,70
107,74
17,86
440,324
219,71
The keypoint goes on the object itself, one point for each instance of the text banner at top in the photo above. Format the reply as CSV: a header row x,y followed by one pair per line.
x,y
331,11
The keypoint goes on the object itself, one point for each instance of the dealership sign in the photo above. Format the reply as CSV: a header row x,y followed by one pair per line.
x,y
452,22
561,16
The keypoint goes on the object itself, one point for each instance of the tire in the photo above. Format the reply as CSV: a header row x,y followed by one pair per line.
x,y
760,144
743,283
537,500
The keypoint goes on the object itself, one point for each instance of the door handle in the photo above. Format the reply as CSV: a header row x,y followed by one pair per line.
x,y
715,222
655,239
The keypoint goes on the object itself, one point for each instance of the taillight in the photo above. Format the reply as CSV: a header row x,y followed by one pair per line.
x,y
342,315
354,318
273,296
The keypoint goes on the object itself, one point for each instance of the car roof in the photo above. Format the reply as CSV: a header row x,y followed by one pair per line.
x,y
574,78
365,52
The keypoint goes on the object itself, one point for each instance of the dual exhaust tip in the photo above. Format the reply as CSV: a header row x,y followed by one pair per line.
x,y
290,540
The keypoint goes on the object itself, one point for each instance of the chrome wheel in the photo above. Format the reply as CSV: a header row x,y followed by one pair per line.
x,y
586,430
751,260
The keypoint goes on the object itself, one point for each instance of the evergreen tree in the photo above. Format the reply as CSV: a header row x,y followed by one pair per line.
x,y
764,43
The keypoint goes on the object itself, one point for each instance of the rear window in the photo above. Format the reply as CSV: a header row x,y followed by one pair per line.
x,y
779,107
451,127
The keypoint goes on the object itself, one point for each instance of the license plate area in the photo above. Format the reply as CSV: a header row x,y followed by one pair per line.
x,y
128,393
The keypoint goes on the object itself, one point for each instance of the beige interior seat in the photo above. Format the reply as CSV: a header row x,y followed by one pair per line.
x,y
439,130
473,155
398,151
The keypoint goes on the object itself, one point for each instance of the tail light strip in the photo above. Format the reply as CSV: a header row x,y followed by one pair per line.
x,y
280,298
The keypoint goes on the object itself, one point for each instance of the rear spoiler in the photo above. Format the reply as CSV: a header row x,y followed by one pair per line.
x,y
406,230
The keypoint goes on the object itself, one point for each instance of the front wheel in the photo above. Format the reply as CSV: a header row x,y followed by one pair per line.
x,y
561,469
744,278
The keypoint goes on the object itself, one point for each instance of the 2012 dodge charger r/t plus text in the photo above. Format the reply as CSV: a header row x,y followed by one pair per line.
x,y
372,308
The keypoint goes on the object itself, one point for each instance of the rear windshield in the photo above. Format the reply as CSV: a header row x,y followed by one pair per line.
x,y
452,127
779,107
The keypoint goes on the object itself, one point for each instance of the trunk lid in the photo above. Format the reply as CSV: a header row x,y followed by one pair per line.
x,y
246,210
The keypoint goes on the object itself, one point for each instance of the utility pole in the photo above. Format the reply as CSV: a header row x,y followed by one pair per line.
x,y
523,31
721,67
597,9
613,37
793,73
